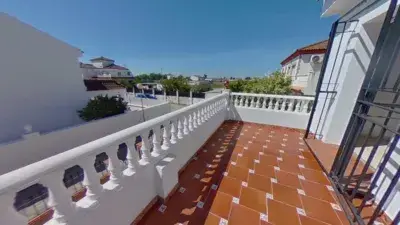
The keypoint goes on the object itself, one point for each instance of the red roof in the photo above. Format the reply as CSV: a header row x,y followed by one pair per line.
x,y
316,48
101,84
112,66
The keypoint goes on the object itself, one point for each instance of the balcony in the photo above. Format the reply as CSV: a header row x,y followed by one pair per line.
x,y
232,159
333,7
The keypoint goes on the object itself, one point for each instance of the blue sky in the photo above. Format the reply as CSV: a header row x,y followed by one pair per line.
x,y
220,38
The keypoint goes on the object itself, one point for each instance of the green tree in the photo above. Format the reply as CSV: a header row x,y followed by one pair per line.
x,y
276,83
101,107
201,88
176,83
237,85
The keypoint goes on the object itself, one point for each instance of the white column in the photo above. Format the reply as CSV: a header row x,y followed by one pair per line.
x,y
248,101
91,180
173,132
199,118
276,106
190,126
180,128
237,101
258,102
270,104
157,140
194,120
114,167
59,198
241,100
203,115
166,137
253,102
145,149
291,104
264,103
298,105
132,157
304,106
185,125
8,214
283,105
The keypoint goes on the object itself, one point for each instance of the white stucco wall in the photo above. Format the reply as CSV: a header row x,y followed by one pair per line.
x,y
88,73
27,151
41,80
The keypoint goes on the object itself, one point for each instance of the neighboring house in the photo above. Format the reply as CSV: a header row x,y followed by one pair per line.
x,y
105,68
41,83
196,80
103,87
304,66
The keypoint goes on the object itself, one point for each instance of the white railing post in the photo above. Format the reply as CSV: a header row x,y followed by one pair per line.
x,y
190,126
165,95
199,119
241,100
191,98
258,104
173,131
114,167
248,101
132,158
194,120
270,103
91,179
290,107
264,103
297,105
180,128
59,198
237,101
157,140
177,97
186,125
166,137
276,106
304,106
145,148
283,105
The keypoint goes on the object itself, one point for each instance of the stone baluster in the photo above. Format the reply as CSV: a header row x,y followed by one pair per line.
x,y
91,179
264,103
180,128
157,140
132,157
166,136
145,149
304,108
173,132
291,104
194,120
283,105
247,101
59,198
237,101
190,126
252,102
259,102
298,105
241,100
186,125
8,214
114,165
198,118
203,115
276,105
270,103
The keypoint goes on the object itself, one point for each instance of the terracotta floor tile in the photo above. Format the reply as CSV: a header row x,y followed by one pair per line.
x,y
289,158
286,195
242,215
254,155
305,220
245,162
269,160
238,172
320,210
308,155
254,199
212,219
230,186
265,223
221,205
264,170
317,190
272,151
290,167
288,179
282,214
316,176
260,182
311,164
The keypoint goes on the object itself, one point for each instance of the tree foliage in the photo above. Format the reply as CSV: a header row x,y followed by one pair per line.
x,y
179,83
276,83
101,107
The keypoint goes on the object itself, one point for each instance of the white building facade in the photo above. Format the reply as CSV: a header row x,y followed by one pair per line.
x,y
304,66
103,67
41,81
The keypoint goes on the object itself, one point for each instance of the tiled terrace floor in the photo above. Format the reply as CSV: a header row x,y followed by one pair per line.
x,y
251,174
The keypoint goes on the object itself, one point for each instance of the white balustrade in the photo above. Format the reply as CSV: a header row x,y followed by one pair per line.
x,y
282,103
50,171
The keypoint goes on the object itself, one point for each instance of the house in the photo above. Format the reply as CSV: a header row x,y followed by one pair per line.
x,y
197,80
304,66
104,67
41,84
101,86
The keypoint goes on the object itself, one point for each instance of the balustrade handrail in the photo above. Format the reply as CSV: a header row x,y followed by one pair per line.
x,y
273,96
32,172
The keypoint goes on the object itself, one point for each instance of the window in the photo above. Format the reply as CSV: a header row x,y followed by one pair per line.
x,y
128,73
119,74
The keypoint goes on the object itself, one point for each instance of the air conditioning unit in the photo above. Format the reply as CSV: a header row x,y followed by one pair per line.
x,y
316,59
